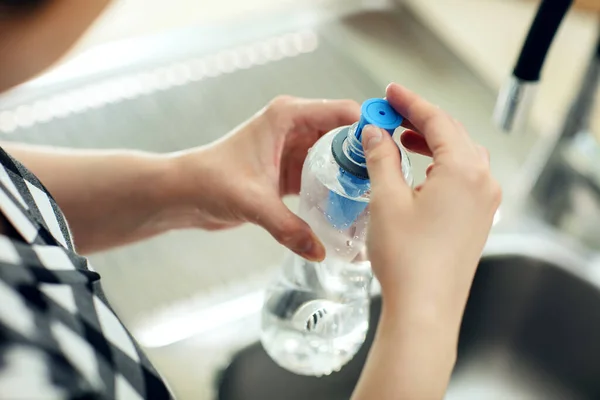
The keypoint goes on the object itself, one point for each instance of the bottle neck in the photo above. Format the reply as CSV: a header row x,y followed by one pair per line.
x,y
353,148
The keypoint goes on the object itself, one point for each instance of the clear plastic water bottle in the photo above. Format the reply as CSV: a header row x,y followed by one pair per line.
x,y
316,315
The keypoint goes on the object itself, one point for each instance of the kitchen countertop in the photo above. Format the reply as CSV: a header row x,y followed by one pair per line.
x,y
487,35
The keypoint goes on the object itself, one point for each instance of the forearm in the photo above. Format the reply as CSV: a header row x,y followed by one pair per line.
x,y
109,198
33,39
412,358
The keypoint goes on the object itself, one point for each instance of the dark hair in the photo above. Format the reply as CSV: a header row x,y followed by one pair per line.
x,y
18,5
21,3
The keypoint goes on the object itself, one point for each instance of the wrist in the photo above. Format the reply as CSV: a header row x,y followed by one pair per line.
x,y
417,353
423,297
191,185
156,191
435,337
425,318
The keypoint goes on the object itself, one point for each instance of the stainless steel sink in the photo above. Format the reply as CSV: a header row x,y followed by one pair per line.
x,y
531,330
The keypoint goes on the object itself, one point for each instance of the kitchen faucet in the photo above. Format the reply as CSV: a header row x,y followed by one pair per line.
x,y
565,190
516,97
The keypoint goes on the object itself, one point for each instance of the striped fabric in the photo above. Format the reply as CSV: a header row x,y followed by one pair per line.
x,y
59,338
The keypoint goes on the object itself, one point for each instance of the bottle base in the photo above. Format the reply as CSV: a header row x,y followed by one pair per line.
x,y
320,346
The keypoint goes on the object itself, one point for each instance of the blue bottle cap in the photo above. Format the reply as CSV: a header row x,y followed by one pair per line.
x,y
380,113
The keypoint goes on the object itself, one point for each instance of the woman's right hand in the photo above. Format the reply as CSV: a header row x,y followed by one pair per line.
x,y
424,245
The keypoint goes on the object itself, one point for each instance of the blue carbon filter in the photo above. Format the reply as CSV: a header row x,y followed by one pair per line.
x,y
353,175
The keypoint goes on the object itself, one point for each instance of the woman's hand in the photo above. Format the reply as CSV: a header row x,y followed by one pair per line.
x,y
424,246
243,177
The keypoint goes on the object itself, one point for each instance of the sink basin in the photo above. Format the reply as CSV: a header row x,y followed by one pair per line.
x,y
531,330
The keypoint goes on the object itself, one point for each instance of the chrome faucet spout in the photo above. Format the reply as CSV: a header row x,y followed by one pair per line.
x,y
516,97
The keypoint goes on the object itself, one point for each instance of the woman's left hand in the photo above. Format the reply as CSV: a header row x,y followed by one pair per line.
x,y
243,177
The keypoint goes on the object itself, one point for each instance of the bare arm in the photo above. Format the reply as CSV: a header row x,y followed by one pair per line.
x,y
411,358
110,198
116,197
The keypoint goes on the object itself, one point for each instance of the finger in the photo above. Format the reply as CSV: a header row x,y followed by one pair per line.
x,y
289,230
408,125
325,115
383,160
438,129
415,142
318,115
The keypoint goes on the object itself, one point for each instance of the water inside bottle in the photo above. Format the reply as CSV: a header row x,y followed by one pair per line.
x,y
313,332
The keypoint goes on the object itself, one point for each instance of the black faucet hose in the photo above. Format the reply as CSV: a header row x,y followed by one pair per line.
x,y
541,34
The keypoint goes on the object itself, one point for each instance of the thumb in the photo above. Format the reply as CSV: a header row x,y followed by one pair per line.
x,y
290,230
383,160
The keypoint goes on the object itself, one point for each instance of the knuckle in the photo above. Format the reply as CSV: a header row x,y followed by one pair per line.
x,y
458,124
280,103
434,121
430,120
480,180
496,192
283,237
349,103
277,110
484,150
477,175
382,154
485,153
286,230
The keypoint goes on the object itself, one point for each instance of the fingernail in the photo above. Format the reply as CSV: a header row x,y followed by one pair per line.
x,y
371,136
